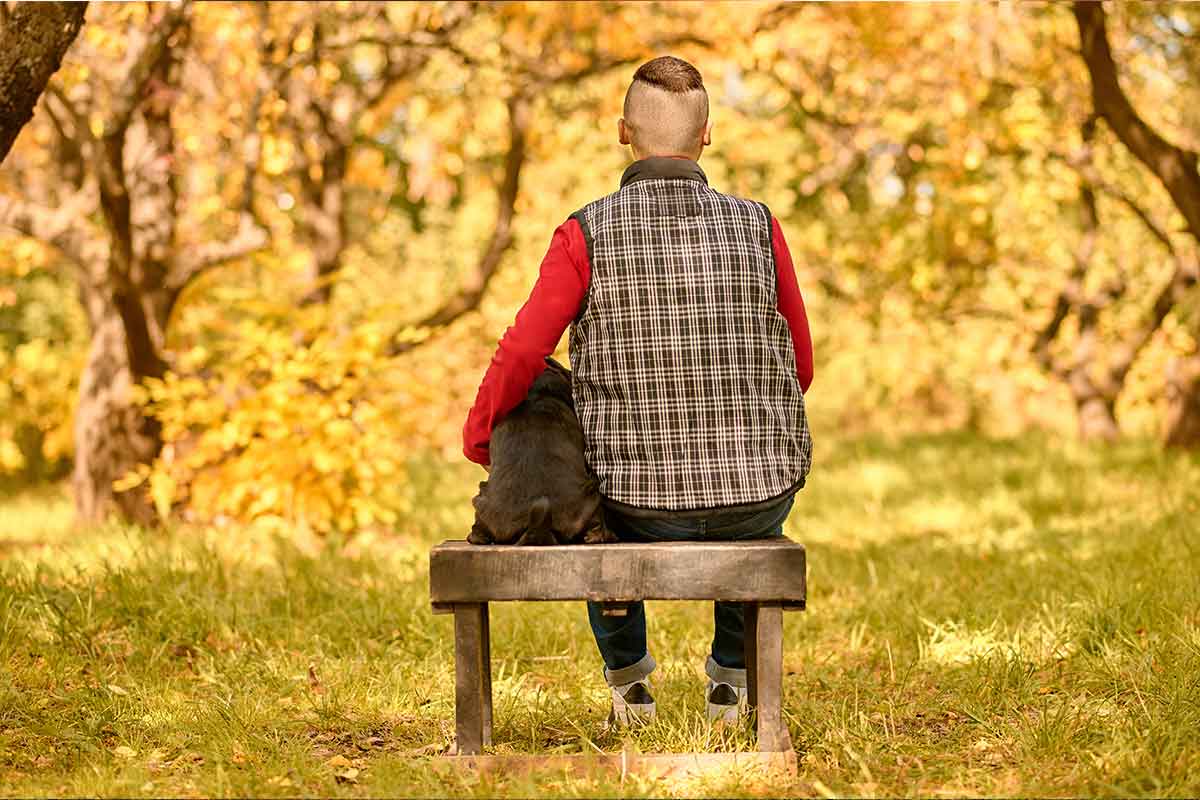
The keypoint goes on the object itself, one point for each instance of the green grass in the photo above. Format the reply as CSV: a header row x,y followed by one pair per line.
x,y
985,618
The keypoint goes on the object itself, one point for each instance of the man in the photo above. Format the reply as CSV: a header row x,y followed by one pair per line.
x,y
691,354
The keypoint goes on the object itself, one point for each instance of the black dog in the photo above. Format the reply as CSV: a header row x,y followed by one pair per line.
x,y
539,489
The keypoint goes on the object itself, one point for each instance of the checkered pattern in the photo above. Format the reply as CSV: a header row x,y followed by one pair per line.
x,y
684,373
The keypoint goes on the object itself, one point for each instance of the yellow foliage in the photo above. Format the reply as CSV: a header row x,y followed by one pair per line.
x,y
927,208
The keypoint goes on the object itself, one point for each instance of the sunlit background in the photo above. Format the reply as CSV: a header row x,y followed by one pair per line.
x,y
255,258
327,242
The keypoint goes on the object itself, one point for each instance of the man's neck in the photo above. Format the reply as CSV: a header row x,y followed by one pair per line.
x,y
672,155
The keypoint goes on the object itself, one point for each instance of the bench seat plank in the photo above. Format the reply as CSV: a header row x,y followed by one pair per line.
x,y
771,570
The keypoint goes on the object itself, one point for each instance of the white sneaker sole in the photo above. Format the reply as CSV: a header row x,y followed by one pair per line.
x,y
633,714
723,713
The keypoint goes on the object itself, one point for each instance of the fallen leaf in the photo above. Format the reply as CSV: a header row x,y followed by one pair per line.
x,y
314,683
117,690
428,749
124,752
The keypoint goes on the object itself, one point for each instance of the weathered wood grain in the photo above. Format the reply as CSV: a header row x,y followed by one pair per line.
x,y
767,570
750,647
472,659
485,682
768,576
768,634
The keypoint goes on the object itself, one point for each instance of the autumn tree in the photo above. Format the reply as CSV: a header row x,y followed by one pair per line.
x,y
114,215
1175,167
312,88
437,158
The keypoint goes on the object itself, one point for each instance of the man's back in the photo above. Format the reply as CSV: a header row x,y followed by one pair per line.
x,y
684,374
691,354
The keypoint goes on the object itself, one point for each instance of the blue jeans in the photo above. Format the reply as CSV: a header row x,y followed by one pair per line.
x,y
622,639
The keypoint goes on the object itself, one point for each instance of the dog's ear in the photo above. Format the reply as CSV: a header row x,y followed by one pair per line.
x,y
558,368
555,381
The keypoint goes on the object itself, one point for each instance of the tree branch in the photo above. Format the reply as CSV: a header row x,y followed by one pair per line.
x,y
60,228
1071,294
470,295
1184,275
248,238
143,68
1172,165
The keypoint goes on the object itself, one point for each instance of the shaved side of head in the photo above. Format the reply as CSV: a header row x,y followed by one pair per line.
x,y
666,109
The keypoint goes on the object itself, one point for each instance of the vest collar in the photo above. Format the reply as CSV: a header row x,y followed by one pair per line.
x,y
662,167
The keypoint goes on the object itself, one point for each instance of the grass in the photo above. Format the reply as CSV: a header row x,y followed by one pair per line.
x,y
985,618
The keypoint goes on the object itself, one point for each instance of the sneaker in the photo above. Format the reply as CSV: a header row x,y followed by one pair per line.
x,y
632,703
725,701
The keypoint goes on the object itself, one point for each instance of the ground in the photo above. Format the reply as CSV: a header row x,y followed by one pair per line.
x,y
985,618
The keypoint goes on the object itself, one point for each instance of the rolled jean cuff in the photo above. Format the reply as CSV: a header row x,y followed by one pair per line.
x,y
634,672
731,675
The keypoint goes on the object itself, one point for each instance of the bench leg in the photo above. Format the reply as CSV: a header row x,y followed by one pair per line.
x,y
487,676
750,611
767,633
473,678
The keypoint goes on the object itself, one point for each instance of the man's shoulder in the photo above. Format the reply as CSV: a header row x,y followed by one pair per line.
x,y
600,204
595,214
738,201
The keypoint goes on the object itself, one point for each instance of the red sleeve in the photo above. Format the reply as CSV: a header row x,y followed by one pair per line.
x,y
520,358
791,306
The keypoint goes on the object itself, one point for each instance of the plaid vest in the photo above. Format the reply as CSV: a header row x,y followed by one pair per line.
x,y
684,373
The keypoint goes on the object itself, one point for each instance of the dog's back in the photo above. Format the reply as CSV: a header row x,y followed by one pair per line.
x,y
539,490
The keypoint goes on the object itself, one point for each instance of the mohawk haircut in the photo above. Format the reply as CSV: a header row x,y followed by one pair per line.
x,y
666,108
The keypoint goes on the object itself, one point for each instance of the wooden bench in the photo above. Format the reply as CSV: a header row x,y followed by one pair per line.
x,y
767,575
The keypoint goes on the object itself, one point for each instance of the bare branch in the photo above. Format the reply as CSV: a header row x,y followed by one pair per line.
x,y
1184,275
79,123
61,228
1156,230
826,119
1071,295
249,238
775,15
470,295
1172,165
252,140
143,68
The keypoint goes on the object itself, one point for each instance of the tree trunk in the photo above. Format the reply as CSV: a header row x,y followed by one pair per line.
x,y
1097,420
325,221
1183,403
112,436
33,40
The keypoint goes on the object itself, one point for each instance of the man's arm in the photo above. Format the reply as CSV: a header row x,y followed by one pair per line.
x,y
554,302
791,306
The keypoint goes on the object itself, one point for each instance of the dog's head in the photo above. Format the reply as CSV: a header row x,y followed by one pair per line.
x,y
555,381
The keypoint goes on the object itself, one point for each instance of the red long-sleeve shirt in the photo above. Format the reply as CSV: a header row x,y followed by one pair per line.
x,y
555,301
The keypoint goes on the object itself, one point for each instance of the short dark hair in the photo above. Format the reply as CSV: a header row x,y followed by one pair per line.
x,y
666,108
670,74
